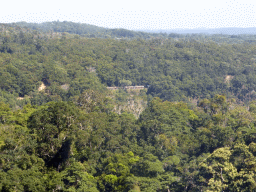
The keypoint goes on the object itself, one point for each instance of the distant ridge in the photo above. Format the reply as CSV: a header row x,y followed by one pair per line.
x,y
226,31
81,29
93,31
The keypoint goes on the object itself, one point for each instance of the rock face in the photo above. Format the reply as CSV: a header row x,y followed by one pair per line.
x,y
42,87
133,103
132,106
228,78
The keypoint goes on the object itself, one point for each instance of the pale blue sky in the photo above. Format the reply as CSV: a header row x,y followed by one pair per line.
x,y
135,14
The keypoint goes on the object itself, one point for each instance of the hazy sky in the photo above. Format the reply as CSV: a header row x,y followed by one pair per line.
x,y
135,14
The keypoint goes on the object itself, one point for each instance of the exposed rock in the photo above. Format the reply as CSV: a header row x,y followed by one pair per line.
x,y
228,78
42,87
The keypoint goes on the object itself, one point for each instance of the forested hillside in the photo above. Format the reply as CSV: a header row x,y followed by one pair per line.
x,y
174,69
192,128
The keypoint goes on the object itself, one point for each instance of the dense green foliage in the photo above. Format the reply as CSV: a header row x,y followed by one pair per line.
x,y
60,146
174,69
73,134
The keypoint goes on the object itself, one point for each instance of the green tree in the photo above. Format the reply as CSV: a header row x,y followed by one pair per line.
x,y
53,125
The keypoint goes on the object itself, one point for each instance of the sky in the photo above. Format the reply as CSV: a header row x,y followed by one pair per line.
x,y
135,14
